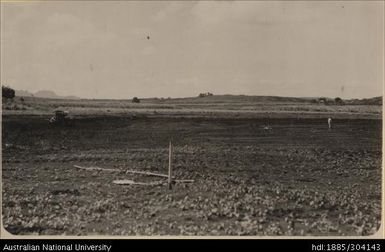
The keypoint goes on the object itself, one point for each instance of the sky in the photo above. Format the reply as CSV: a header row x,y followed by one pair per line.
x,y
100,49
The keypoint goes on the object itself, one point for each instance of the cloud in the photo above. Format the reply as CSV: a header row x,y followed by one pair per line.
x,y
149,50
251,12
167,11
218,46
53,49
215,12
65,30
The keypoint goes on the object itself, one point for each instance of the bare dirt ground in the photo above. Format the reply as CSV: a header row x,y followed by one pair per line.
x,y
298,178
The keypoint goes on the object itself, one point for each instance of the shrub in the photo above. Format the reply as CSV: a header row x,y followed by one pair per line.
x,y
135,100
338,101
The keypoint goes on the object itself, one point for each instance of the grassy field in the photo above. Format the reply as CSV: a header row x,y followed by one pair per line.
x,y
223,106
295,178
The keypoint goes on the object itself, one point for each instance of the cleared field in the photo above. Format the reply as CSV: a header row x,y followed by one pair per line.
x,y
298,178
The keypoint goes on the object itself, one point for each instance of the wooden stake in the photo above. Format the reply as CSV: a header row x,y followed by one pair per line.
x,y
169,167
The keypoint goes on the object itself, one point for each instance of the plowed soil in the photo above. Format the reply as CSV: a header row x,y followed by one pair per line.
x,y
295,178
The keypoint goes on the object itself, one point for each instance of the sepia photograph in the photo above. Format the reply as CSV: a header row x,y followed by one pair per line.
x,y
192,119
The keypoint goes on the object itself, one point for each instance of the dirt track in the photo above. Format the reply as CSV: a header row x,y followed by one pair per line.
x,y
298,178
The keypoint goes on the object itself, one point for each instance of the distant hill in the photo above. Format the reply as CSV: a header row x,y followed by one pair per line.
x,y
43,94
233,99
267,99
219,99
370,101
23,93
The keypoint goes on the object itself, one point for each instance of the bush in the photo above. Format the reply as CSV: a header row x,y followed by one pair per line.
x,y
338,101
7,92
135,100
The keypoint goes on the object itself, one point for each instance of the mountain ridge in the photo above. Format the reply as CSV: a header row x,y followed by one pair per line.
x,y
44,94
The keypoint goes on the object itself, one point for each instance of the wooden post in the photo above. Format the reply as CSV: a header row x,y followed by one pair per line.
x,y
169,167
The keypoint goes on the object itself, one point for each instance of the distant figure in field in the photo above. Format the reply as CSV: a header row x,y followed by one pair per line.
x,y
330,123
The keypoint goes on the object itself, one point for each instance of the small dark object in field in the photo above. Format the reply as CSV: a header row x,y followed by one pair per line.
x,y
61,118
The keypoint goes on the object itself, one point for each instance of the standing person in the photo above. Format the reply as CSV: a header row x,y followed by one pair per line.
x,y
330,123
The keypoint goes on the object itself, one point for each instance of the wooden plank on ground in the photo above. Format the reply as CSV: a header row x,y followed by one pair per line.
x,y
132,182
184,181
148,173
96,168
